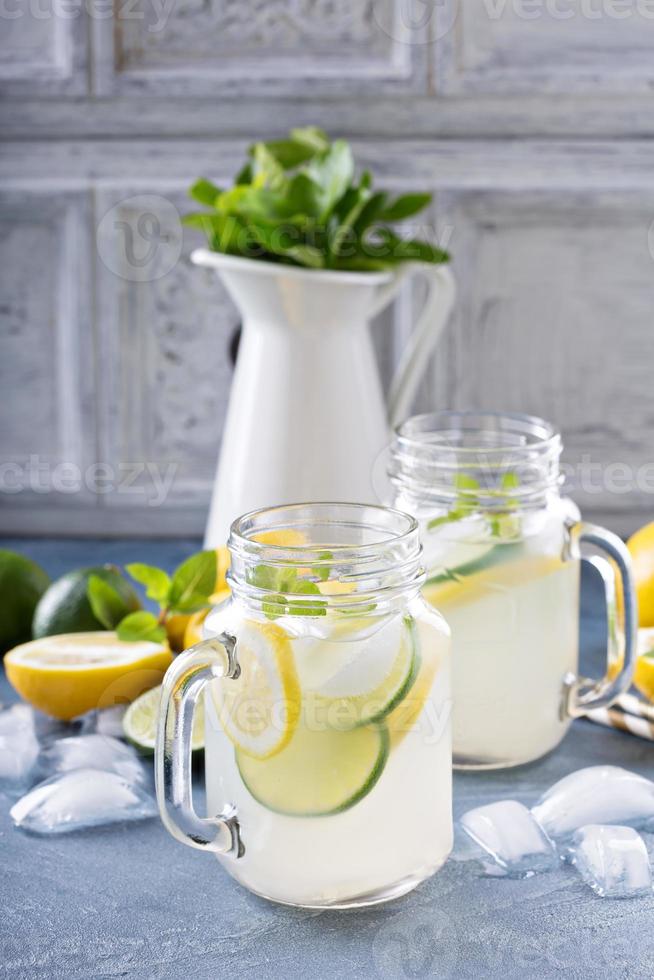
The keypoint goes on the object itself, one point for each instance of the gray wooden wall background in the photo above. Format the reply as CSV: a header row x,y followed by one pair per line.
x,y
532,122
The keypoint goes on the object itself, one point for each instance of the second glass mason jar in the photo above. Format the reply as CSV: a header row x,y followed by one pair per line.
x,y
326,685
501,549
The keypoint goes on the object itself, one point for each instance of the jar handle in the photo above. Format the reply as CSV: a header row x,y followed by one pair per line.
x,y
580,694
182,685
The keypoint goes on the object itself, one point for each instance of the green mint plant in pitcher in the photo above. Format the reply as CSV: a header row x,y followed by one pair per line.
x,y
326,685
502,552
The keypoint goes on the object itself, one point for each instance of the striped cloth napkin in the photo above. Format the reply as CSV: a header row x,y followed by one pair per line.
x,y
628,714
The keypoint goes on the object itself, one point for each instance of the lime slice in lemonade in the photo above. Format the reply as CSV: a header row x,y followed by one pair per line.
x,y
320,772
350,681
141,718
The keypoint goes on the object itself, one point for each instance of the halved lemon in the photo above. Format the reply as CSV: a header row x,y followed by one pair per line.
x,y
72,673
259,710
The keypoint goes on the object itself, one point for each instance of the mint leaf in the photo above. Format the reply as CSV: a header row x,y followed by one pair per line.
x,y
107,604
405,207
510,481
193,582
312,137
323,572
290,153
204,192
140,626
332,172
155,580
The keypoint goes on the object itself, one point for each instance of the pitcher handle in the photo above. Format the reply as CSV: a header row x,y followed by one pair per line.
x,y
580,694
182,685
426,334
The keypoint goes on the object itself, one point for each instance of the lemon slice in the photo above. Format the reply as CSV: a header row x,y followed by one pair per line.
x,y
282,538
350,680
140,722
259,709
319,772
510,574
72,673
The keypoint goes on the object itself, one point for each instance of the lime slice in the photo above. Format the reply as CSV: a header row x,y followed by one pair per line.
x,y
260,708
348,684
140,722
319,772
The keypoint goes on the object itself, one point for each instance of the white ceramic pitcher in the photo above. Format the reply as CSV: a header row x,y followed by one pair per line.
x,y
307,418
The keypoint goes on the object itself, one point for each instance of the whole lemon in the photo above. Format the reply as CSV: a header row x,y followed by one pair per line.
x,y
641,548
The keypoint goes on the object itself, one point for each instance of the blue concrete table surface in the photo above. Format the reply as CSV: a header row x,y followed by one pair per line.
x,y
129,901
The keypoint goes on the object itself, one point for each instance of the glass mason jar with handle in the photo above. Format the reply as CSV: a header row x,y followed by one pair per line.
x,y
502,553
326,688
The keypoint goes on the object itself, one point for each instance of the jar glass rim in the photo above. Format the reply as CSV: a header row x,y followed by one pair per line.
x,y
385,524
421,432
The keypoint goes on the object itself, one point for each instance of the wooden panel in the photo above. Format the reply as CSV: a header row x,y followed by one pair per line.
x,y
46,352
260,47
44,49
541,46
555,295
165,328
554,319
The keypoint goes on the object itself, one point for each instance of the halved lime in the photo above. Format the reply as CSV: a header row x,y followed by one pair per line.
x,y
319,772
140,722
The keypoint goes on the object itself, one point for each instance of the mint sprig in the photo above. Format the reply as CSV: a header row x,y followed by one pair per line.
x,y
283,583
298,201
187,590
504,525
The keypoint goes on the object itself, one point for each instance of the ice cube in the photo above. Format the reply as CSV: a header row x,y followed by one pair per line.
x,y
19,746
106,721
600,795
81,798
509,833
612,860
92,752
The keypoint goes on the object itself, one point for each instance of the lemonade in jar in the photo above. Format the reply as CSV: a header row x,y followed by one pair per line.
x,y
326,684
502,553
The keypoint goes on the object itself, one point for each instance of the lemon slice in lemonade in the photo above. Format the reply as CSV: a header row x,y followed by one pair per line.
x,y
356,677
260,708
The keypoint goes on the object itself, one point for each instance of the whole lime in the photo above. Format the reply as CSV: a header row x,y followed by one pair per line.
x,y
65,607
22,583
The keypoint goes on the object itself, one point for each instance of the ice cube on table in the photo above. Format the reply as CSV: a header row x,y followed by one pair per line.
x,y
596,795
81,798
612,860
105,721
19,746
508,832
92,752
